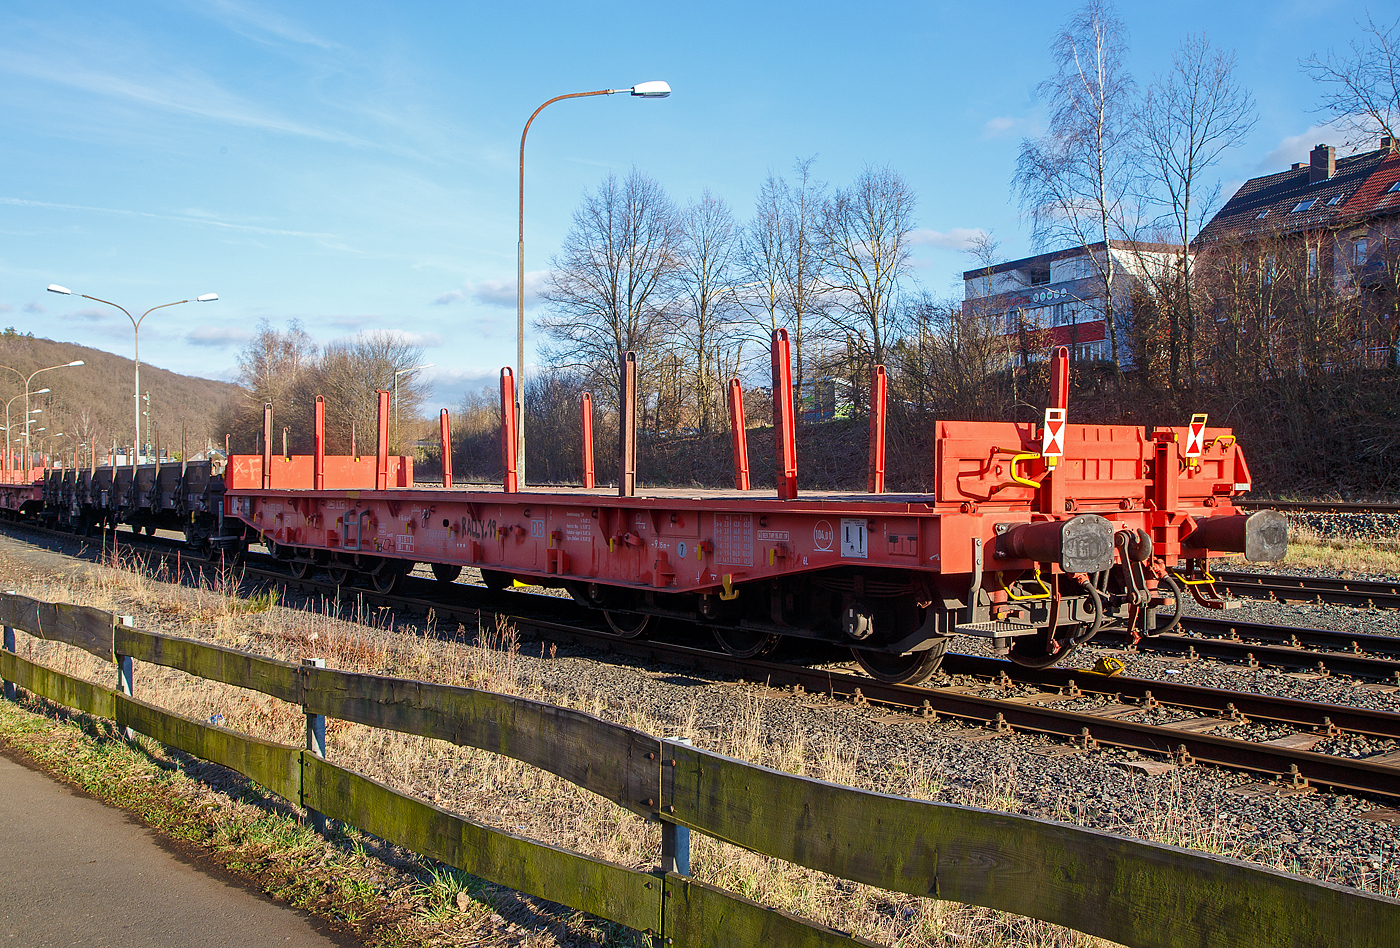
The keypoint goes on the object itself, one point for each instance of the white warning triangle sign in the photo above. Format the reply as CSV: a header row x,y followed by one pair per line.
x,y
1196,437
1052,440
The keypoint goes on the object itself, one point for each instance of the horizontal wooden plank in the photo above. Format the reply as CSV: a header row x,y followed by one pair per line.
x,y
609,891
63,689
275,766
608,759
1135,893
267,675
82,626
695,915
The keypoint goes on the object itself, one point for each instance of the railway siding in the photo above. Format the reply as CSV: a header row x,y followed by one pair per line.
x,y
1132,892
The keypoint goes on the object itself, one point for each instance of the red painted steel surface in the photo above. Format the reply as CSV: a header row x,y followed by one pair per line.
x,y
784,425
878,381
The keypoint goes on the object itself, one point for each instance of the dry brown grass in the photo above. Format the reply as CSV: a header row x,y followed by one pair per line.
x,y
513,796
1308,550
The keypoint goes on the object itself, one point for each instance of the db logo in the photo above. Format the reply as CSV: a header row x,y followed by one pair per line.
x,y
823,536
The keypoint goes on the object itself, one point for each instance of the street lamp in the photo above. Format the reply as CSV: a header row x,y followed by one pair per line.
x,y
136,334
655,89
27,393
425,365
41,391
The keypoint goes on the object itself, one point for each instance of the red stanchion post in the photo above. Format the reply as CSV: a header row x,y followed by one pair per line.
x,y
586,424
878,381
510,482
739,434
784,425
445,424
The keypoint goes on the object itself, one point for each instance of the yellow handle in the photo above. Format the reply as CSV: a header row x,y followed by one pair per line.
x,y
1195,582
1015,598
727,581
1018,478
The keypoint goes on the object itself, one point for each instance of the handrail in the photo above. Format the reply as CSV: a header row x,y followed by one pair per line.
x,y
1130,891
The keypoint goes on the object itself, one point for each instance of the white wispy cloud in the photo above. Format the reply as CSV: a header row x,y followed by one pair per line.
x,y
35,308
181,218
958,238
1000,126
1296,147
498,292
254,22
187,92
89,313
218,337
5,307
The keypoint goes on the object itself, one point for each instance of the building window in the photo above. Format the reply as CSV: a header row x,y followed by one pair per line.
x,y
1337,199
1312,262
1040,275
1268,271
1304,205
1262,214
1394,188
1358,252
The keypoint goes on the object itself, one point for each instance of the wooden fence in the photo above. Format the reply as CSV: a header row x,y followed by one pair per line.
x,y
1139,894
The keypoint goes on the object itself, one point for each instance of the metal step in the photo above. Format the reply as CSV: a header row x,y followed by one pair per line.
x,y
995,629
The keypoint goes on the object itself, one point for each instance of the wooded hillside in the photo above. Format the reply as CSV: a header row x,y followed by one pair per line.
x,y
91,403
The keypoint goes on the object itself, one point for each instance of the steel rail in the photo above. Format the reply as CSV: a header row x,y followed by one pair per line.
x,y
1318,507
1036,713
1287,588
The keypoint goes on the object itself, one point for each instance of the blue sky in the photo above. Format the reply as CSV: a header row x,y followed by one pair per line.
x,y
353,165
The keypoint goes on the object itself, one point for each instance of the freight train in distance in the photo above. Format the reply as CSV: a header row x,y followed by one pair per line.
x,y
1036,536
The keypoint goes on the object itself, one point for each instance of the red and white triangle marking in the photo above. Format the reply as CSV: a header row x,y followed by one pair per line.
x,y
1196,436
1052,441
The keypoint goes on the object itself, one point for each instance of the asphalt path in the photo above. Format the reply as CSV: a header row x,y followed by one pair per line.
x,y
74,871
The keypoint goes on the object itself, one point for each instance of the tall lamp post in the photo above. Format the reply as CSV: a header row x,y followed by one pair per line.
x,y
136,334
27,393
7,417
425,365
642,90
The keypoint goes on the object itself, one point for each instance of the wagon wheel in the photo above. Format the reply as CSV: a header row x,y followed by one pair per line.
x,y
446,572
1173,601
743,643
340,575
150,529
386,579
901,669
627,625
495,580
1033,651
300,569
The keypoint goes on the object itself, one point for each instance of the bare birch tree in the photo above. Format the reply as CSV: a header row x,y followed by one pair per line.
x,y
707,258
1187,118
614,280
350,375
1362,86
763,247
1074,182
864,232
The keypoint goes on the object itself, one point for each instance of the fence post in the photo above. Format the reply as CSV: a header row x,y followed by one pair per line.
x,y
126,675
316,744
9,645
675,840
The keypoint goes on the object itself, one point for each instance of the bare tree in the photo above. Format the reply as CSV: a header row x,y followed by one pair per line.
x,y
349,376
1362,87
708,252
614,281
1074,181
763,247
802,263
273,365
1186,120
864,232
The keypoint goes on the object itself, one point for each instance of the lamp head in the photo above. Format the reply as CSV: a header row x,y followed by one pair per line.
x,y
61,290
39,392
207,298
655,89
73,363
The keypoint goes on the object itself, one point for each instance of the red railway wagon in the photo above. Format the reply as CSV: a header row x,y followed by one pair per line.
x,y
1036,536
21,492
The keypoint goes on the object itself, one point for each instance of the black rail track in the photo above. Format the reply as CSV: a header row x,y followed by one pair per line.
x,y
1107,723
1319,589
1319,507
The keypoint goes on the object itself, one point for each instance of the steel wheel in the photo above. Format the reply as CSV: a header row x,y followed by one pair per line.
x,y
446,572
150,529
339,575
386,579
300,569
626,625
742,643
495,580
901,669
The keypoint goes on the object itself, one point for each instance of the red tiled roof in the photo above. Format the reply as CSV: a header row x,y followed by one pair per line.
x,y
1374,198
